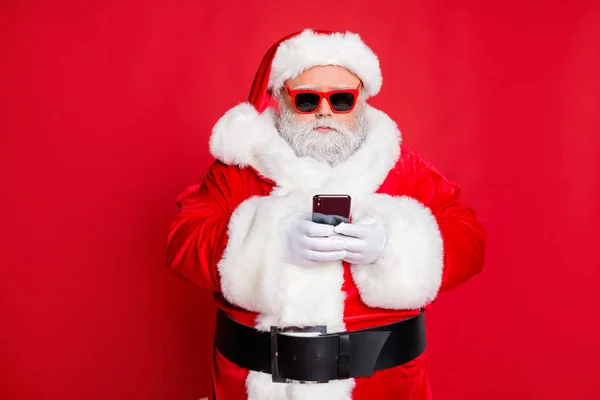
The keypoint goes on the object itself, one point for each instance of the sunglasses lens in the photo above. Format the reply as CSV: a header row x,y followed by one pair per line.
x,y
342,101
307,102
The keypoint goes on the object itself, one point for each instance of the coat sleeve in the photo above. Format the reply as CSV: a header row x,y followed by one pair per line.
x,y
463,236
198,235
434,241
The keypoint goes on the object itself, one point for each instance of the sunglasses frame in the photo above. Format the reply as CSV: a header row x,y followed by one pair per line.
x,y
322,95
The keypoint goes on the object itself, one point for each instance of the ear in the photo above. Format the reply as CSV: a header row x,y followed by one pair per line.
x,y
361,93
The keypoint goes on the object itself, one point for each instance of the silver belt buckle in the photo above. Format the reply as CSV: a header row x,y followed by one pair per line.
x,y
273,332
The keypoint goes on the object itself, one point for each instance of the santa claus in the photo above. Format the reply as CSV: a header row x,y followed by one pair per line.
x,y
312,310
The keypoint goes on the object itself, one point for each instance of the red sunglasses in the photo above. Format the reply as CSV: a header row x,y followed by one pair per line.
x,y
341,101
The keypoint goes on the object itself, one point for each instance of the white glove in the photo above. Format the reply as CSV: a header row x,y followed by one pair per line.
x,y
308,242
365,240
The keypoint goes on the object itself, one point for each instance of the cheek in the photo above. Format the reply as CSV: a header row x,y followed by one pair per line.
x,y
304,117
346,119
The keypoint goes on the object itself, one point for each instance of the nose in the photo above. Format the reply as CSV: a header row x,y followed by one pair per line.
x,y
323,110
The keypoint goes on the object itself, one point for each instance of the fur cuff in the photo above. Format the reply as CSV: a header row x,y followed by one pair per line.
x,y
408,273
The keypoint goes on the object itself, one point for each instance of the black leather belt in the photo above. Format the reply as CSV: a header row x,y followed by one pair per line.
x,y
328,356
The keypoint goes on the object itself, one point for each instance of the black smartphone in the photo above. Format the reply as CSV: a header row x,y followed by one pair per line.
x,y
331,209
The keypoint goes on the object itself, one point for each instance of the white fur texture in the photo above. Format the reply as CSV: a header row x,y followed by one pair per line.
x,y
408,273
260,387
310,49
255,277
239,132
244,137
253,273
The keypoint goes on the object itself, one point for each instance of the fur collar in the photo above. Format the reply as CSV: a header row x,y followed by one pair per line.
x,y
245,138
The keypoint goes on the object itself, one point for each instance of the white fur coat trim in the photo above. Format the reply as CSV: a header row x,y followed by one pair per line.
x,y
408,274
254,274
243,137
310,49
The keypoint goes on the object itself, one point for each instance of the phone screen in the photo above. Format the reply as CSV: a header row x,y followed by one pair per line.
x,y
332,209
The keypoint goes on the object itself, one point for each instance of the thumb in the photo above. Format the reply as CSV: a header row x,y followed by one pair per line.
x,y
353,230
366,220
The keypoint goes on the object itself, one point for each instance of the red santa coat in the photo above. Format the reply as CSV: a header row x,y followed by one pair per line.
x,y
229,237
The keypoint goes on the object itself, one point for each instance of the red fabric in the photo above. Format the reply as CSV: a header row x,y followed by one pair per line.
x,y
198,237
105,112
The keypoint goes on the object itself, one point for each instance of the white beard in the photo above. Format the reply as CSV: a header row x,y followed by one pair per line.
x,y
332,147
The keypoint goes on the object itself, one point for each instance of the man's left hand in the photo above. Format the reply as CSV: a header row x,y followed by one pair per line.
x,y
365,240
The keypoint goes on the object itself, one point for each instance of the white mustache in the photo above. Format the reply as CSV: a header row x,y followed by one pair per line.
x,y
326,123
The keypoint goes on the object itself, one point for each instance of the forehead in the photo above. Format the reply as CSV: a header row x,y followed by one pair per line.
x,y
325,78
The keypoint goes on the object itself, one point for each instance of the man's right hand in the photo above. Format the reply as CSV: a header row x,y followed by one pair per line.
x,y
308,242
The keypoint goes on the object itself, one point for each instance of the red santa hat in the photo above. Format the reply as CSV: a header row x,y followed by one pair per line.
x,y
299,51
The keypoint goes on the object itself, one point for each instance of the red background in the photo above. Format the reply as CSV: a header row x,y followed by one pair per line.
x,y
106,108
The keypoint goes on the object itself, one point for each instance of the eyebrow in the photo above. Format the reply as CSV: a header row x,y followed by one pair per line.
x,y
306,87
316,88
338,87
